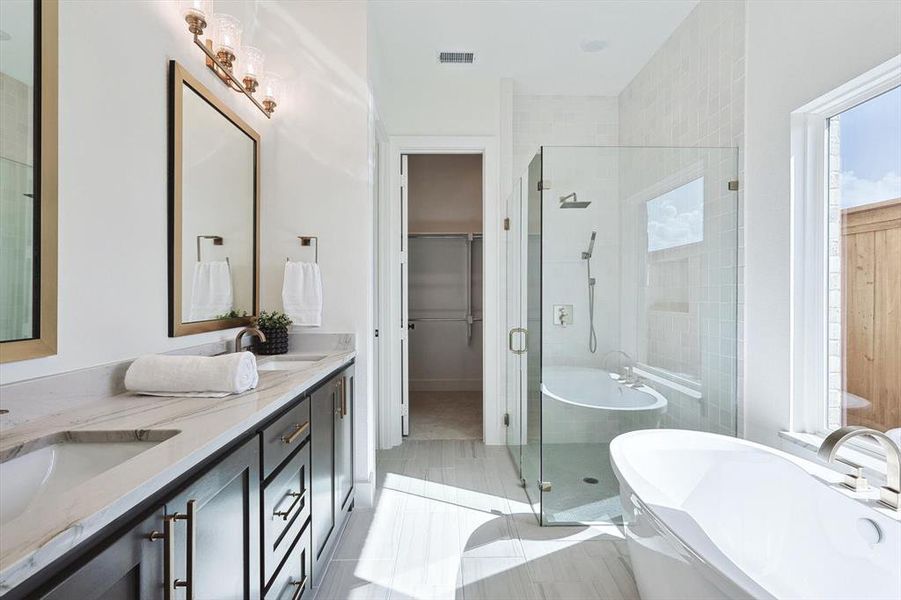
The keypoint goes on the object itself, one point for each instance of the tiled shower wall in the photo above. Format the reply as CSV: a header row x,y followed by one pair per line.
x,y
574,121
691,94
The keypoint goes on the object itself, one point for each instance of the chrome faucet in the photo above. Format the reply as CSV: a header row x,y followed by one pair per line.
x,y
251,331
627,373
890,493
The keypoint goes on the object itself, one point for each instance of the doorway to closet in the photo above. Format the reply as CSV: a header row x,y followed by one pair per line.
x,y
444,261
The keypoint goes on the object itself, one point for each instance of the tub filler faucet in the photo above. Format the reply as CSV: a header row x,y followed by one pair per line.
x,y
890,493
626,370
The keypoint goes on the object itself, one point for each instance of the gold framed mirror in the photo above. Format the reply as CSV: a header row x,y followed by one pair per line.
x,y
28,179
214,202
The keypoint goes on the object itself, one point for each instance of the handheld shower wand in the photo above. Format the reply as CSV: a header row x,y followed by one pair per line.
x,y
586,256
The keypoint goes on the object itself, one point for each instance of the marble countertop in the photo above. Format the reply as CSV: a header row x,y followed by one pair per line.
x,y
51,526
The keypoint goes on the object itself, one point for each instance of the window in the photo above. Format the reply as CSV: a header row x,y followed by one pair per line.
x,y
864,265
676,218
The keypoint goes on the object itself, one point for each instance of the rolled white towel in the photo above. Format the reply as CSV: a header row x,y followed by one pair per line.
x,y
158,374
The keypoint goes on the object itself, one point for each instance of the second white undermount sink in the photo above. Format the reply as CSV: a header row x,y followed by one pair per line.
x,y
289,363
53,465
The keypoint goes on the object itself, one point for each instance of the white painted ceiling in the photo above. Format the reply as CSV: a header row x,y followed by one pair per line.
x,y
537,43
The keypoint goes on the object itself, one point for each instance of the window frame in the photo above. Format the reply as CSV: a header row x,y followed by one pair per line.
x,y
809,172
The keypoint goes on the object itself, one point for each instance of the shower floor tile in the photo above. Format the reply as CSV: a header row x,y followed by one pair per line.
x,y
584,487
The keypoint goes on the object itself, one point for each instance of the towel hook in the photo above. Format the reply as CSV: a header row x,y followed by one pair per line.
x,y
217,241
308,240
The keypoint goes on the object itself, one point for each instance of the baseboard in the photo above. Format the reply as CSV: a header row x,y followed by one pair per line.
x,y
364,492
445,385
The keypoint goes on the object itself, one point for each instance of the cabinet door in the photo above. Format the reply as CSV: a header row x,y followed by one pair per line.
x,y
130,568
216,539
322,437
344,445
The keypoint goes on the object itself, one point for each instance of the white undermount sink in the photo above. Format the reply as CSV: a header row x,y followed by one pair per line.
x,y
289,363
53,465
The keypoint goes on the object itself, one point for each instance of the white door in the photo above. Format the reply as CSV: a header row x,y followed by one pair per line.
x,y
404,302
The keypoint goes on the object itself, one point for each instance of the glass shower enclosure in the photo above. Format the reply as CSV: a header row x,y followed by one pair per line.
x,y
622,312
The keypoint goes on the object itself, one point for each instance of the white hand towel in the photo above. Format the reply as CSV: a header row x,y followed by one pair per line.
x,y
302,293
157,374
211,295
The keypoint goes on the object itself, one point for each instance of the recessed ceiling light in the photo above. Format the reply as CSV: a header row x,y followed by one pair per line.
x,y
593,45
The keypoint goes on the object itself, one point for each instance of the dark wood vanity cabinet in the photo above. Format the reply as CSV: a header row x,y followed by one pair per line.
x,y
322,411
205,537
131,568
259,522
332,458
216,537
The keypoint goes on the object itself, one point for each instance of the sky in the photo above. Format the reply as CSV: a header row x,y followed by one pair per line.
x,y
871,150
676,218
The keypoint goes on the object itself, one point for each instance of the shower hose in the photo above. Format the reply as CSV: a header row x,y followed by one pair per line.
x,y
592,336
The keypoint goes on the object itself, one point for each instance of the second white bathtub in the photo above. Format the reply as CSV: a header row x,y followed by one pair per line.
x,y
587,405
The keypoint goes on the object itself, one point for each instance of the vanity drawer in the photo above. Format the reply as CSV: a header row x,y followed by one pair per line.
x,y
293,580
285,435
286,508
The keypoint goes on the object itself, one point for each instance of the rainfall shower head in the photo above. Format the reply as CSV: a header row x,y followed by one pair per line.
x,y
565,201
587,255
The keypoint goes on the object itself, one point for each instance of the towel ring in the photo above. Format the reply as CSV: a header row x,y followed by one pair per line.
x,y
217,241
308,240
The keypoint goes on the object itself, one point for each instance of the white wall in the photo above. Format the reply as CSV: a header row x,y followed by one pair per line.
x,y
797,51
112,181
574,121
112,175
458,105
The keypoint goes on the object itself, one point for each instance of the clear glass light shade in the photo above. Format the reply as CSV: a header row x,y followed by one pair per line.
x,y
252,62
273,88
227,33
196,8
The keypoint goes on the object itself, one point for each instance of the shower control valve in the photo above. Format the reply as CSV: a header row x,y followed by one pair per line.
x,y
563,314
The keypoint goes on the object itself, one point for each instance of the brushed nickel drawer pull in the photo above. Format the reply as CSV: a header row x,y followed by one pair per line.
x,y
191,544
290,438
168,554
284,514
300,587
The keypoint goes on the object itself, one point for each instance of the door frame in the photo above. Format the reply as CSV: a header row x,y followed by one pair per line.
x,y
492,264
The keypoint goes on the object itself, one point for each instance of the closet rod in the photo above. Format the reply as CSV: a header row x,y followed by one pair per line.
x,y
445,235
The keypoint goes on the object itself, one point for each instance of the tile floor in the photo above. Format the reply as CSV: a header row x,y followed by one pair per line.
x,y
450,521
445,415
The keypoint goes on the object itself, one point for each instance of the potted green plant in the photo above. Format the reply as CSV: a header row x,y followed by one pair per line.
x,y
274,326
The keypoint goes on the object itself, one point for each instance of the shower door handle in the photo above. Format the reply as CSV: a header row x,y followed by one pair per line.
x,y
525,335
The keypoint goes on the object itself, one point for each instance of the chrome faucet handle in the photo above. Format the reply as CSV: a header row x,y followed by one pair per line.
x,y
856,480
890,493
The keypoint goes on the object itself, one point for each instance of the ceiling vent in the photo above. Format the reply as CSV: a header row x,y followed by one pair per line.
x,y
456,58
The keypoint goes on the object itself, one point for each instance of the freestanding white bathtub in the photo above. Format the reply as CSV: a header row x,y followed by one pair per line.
x,y
709,516
587,405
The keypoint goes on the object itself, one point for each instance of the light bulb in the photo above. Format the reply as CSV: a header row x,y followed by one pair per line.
x,y
228,34
273,90
196,13
252,62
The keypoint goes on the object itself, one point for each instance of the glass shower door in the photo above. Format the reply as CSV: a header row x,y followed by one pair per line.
x,y
531,225
515,320
639,249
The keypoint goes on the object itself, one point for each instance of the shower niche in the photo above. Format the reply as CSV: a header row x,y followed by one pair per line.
x,y
641,245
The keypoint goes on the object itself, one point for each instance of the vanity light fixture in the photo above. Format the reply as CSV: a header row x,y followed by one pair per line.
x,y
225,51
